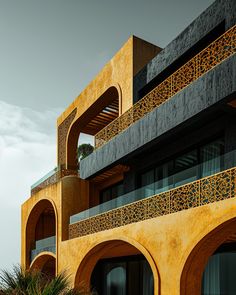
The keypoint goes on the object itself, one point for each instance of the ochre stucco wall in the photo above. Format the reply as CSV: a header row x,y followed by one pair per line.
x,y
118,73
166,241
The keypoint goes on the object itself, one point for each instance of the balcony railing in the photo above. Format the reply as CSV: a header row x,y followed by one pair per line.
x,y
50,178
211,56
187,189
44,245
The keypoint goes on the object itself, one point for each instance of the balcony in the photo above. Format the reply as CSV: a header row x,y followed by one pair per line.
x,y
51,177
208,182
44,245
219,50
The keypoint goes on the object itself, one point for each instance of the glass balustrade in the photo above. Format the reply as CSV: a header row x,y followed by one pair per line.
x,y
204,169
44,245
45,177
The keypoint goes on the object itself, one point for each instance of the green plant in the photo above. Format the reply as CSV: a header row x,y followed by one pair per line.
x,y
27,282
84,150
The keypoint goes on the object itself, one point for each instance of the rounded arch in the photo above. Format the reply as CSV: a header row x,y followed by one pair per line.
x,y
191,277
121,246
80,123
46,263
35,225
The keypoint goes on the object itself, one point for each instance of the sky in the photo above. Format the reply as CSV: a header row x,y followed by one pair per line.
x,y
49,51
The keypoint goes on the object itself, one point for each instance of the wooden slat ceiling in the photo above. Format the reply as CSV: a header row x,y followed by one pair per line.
x,y
232,103
109,173
102,119
231,239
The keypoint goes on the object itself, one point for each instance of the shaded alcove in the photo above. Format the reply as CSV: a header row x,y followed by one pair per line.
x,y
40,230
102,112
116,257
195,278
45,263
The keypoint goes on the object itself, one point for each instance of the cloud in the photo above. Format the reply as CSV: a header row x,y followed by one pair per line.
x,y
27,152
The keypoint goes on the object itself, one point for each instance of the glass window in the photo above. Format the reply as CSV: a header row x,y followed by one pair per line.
x,y
210,157
219,275
188,167
129,275
112,192
147,182
115,281
186,161
147,281
162,177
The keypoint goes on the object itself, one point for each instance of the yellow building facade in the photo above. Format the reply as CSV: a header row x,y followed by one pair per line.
x,y
153,209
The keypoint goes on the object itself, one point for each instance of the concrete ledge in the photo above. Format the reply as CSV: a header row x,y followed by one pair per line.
x,y
220,10
211,88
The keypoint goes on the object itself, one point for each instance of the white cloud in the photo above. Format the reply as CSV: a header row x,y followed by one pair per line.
x,y
27,152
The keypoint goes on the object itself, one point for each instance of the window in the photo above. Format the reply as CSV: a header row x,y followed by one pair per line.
x,y
112,192
219,274
190,166
130,275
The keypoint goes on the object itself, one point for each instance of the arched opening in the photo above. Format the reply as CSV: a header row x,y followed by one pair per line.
x,y
45,263
219,273
117,267
101,113
129,275
40,230
210,268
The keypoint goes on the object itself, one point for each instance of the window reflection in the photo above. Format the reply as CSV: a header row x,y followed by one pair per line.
x,y
190,166
219,274
115,281
129,275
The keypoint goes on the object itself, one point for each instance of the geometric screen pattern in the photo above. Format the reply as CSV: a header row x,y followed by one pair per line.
x,y
208,58
207,190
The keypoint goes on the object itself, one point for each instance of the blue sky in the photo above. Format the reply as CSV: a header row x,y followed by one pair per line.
x,y
49,51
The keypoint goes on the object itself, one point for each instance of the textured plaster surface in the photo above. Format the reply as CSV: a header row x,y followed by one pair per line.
x,y
169,240
166,241
220,10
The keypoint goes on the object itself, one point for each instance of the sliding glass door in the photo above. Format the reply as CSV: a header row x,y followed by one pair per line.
x,y
219,277
130,275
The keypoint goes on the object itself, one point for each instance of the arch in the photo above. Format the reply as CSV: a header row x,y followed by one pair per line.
x,y
46,263
81,123
121,246
191,277
34,229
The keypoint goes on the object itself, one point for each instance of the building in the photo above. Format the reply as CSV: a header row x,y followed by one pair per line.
x,y
153,209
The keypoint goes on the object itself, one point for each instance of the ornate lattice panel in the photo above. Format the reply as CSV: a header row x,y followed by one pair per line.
x,y
158,205
211,56
62,135
220,186
233,182
134,212
184,197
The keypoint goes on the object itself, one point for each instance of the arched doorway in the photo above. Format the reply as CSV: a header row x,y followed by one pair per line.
x,y
46,263
40,231
210,267
219,273
131,275
118,267
103,111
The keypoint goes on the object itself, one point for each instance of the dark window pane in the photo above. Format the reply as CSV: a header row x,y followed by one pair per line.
x,y
210,157
219,275
115,280
112,192
186,161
